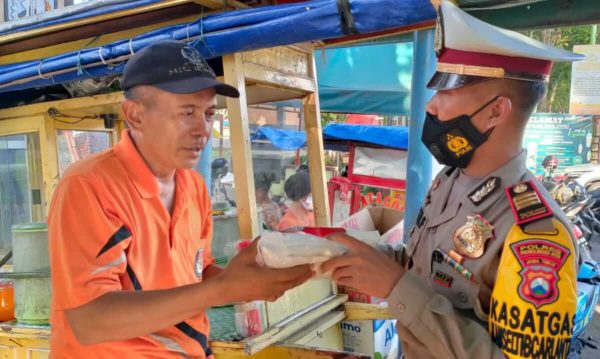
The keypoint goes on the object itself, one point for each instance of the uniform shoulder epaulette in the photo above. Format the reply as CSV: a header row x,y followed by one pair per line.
x,y
527,204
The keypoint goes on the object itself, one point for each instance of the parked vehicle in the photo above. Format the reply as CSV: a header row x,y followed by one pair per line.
x,y
588,288
587,175
578,205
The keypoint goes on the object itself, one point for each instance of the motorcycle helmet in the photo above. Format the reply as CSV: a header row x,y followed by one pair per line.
x,y
219,167
562,194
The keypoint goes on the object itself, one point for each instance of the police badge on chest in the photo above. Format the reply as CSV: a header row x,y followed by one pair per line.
x,y
199,263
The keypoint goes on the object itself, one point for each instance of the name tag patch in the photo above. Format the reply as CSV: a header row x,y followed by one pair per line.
x,y
199,263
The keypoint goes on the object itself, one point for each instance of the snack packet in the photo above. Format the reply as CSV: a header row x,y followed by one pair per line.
x,y
285,250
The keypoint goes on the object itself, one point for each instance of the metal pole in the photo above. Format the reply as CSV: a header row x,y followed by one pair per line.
x,y
593,35
419,166
221,138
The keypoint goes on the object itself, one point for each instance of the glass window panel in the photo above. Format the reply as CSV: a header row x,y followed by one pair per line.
x,y
76,145
273,167
20,183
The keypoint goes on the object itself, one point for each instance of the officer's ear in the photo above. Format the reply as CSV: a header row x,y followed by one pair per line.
x,y
499,112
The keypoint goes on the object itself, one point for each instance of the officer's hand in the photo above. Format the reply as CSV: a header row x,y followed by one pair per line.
x,y
363,268
247,281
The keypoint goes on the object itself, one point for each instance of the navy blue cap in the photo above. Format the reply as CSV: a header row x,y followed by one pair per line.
x,y
174,67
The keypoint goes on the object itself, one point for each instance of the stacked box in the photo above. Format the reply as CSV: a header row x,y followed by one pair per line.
x,y
377,338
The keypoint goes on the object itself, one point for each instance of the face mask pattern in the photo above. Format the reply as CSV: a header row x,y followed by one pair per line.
x,y
453,142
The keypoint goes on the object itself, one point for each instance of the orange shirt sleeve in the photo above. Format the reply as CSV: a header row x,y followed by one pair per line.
x,y
87,244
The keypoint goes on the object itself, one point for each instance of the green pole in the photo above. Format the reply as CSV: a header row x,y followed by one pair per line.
x,y
593,35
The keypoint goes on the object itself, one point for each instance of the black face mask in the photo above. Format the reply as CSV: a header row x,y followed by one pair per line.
x,y
453,142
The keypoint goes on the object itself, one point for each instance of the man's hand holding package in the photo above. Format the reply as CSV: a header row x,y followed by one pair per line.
x,y
363,268
246,280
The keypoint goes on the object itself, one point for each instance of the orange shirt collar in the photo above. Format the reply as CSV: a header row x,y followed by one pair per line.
x,y
142,177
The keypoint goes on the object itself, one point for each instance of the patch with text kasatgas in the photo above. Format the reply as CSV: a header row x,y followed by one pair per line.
x,y
528,333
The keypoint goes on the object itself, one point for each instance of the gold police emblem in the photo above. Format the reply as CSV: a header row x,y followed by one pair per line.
x,y
458,144
470,239
520,188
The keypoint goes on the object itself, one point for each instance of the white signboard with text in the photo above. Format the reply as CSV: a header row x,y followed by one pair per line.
x,y
585,81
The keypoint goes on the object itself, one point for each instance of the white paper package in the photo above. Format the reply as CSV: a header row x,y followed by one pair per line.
x,y
285,250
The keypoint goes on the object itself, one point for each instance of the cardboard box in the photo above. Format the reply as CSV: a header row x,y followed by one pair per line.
x,y
377,338
388,222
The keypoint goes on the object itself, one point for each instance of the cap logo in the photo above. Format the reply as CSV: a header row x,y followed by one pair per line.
x,y
196,61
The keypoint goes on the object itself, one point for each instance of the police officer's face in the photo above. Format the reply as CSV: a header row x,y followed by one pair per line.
x,y
450,104
175,128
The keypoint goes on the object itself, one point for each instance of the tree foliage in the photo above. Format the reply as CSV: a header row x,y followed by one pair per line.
x,y
559,88
328,117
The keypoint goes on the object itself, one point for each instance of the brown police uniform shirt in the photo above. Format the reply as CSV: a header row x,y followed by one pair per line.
x,y
441,313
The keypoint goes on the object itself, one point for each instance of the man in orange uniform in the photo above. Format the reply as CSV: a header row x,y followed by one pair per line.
x,y
131,227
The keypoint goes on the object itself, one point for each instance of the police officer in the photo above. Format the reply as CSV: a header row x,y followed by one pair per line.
x,y
490,269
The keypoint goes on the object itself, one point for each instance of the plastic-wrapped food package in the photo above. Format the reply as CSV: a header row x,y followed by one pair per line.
x,y
284,250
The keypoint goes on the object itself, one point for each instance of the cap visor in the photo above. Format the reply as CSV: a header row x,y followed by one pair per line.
x,y
196,84
449,81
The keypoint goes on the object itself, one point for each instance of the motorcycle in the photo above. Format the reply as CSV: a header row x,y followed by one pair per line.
x,y
578,206
588,293
581,207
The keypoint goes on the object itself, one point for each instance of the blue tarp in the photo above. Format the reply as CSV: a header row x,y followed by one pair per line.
x,y
224,33
373,79
286,140
384,136
290,140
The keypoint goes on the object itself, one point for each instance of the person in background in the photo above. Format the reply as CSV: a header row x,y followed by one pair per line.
x,y
271,214
300,213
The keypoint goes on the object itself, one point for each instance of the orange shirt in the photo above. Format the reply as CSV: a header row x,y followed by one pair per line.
x,y
290,220
109,231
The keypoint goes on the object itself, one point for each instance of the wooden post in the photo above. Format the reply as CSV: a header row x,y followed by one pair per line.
x,y
316,154
241,152
49,149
